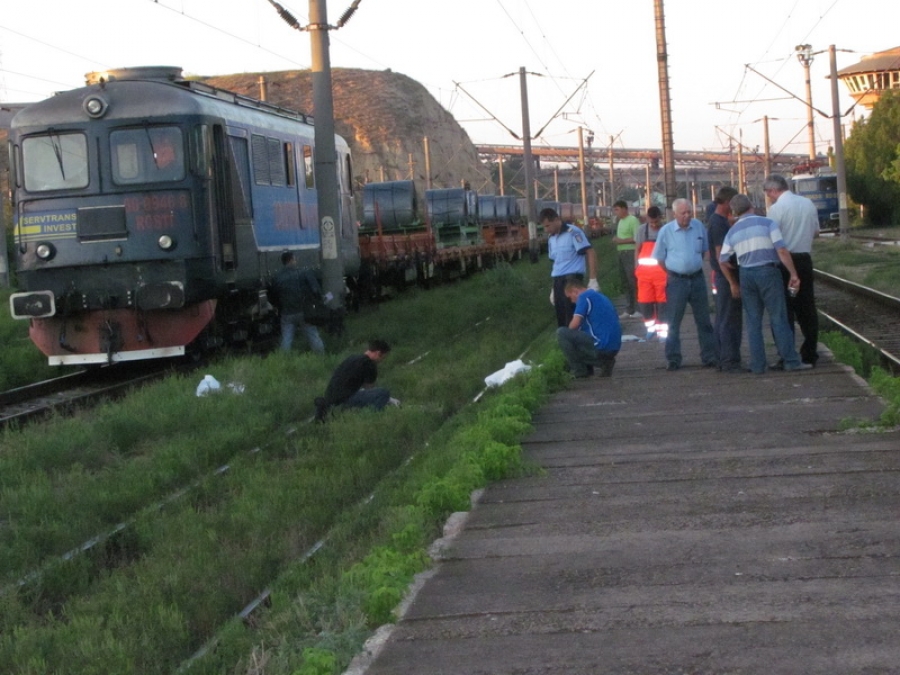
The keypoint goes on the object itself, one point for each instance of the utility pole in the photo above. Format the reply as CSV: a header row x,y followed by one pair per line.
x,y
526,158
768,155
326,154
612,175
584,208
843,215
805,56
665,103
648,193
326,166
427,148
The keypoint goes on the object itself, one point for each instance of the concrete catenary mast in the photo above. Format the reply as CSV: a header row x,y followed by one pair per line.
x,y
326,150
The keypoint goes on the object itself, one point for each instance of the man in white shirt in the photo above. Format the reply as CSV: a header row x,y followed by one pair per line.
x,y
798,219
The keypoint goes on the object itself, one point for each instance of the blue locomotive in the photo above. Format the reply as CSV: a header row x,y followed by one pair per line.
x,y
818,182
151,210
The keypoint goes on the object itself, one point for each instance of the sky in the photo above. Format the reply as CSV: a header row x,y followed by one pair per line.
x,y
590,63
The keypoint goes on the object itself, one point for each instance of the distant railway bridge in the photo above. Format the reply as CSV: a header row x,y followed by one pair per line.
x,y
613,171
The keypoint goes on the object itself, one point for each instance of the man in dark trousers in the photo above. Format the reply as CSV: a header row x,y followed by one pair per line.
x,y
289,292
729,324
352,384
594,336
798,220
572,256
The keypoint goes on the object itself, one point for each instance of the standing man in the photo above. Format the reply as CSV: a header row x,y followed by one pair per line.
x,y
594,336
290,290
798,219
571,252
729,324
352,384
651,278
759,247
626,228
680,248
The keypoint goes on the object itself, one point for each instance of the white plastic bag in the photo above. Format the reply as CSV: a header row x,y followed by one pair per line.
x,y
208,385
508,371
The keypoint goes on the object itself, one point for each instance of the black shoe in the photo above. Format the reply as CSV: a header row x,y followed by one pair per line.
x,y
778,365
321,410
672,366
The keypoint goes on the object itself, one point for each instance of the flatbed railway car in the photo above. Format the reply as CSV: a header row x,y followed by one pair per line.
x,y
459,232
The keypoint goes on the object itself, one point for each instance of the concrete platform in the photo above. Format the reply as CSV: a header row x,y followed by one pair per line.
x,y
686,522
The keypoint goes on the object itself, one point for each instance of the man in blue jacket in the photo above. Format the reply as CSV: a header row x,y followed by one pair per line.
x,y
291,289
593,336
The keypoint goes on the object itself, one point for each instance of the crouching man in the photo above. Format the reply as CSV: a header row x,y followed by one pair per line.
x,y
352,384
594,336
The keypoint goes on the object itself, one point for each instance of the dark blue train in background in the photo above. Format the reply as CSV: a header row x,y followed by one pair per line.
x,y
818,182
150,212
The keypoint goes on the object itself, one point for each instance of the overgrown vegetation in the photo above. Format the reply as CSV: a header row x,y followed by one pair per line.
x,y
865,361
873,265
224,496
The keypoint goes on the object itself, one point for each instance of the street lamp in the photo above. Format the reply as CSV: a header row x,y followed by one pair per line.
x,y
805,56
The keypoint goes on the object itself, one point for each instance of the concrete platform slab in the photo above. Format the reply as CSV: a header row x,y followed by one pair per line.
x,y
688,522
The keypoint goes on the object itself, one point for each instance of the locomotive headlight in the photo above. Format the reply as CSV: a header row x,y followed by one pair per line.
x,y
166,243
45,251
95,106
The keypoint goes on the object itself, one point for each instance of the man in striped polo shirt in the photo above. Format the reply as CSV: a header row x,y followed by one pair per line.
x,y
759,246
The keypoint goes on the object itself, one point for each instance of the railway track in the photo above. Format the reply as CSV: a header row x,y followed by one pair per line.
x,y
73,391
865,314
84,388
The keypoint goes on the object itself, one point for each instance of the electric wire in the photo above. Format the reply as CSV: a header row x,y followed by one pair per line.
x,y
783,61
229,34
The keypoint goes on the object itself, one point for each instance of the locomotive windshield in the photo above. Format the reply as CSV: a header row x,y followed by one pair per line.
x,y
55,161
147,155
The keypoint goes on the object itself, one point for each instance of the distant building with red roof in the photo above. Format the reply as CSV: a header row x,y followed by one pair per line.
x,y
869,78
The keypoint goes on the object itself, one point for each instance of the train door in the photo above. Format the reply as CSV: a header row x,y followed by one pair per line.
x,y
223,202
241,205
349,231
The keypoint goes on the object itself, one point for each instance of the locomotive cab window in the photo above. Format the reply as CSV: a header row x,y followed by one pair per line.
x,y
55,161
147,155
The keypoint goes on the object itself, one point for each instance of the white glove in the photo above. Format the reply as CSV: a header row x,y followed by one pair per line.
x,y
594,285
551,298
394,401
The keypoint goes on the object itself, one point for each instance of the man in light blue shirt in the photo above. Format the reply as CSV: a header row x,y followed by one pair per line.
x,y
571,253
680,247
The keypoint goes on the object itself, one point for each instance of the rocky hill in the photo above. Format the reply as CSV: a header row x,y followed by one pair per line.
x,y
384,116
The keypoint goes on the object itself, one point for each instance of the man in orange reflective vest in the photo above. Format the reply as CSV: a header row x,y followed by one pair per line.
x,y
651,277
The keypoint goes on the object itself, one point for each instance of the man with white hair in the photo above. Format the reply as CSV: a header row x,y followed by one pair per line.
x,y
680,247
